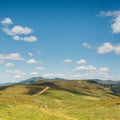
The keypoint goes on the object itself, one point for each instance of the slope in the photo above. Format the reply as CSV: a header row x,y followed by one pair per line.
x,y
64,100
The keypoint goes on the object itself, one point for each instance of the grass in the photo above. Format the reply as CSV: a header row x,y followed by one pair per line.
x,y
63,101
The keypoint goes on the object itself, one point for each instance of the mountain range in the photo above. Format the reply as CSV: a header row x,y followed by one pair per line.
x,y
36,79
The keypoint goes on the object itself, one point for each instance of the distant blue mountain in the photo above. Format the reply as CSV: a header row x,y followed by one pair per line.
x,y
37,79
109,82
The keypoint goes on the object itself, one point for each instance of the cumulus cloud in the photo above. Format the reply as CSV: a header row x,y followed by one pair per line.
x,y
116,25
31,61
105,48
12,56
103,73
83,76
16,73
18,32
7,31
9,64
30,54
118,76
87,45
17,76
1,61
109,13
52,75
117,49
91,72
116,19
93,75
82,61
34,73
40,68
67,61
27,39
85,68
108,47
104,69
6,21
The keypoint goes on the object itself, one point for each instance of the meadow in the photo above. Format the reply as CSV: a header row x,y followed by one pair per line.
x,y
64,100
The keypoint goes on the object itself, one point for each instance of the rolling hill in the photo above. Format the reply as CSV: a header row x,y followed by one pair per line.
x,y
58,100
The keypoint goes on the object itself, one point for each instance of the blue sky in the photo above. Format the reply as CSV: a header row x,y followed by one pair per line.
x,y
74,39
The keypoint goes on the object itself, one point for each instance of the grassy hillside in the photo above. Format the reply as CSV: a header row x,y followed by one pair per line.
x,y
64,100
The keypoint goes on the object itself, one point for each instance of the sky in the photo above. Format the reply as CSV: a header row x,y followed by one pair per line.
x,y
72,39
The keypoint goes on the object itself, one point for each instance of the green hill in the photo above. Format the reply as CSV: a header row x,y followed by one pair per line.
x,y
62,100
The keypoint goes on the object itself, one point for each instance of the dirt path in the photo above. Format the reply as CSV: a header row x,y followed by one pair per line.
x,y
44,90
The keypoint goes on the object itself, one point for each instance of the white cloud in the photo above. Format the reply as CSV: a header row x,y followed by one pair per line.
x,y
9,65
29,39
15,72
110,13
104,69
16,37
76,76
34,73
93,75
30,54
82,76
48,75
21,30
40,68
26,39
51,75
117,49
105,48
82,61
6,21
91,72
118,76
2,61
31,61
102,73
9,71
18,32
85,68
116,21
108,47
87,45
7,31
17,76
67,61
18,72
12,56
116,25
